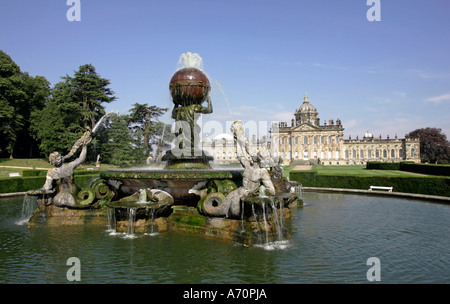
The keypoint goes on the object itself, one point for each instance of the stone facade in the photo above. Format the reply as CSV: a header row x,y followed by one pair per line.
x,y
306,141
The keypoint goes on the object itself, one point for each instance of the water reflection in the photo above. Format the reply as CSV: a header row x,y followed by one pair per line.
x,y
331,239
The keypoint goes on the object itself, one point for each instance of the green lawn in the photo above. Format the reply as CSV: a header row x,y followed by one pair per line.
x,y
353,171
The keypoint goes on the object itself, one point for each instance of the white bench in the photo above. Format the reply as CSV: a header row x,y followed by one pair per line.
x,y
380,188
14,174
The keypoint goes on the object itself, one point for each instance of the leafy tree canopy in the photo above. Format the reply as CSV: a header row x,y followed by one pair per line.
x,y
434,146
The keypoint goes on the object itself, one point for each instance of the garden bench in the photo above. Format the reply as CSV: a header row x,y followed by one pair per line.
x,y
380,188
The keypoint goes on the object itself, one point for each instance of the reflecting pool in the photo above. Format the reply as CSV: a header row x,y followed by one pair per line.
x,y
332,237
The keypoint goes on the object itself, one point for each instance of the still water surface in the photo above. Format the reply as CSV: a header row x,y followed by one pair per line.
x,y
332,237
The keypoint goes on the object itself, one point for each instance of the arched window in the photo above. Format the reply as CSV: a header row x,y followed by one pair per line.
x,y
322,154
384,153
392,153
361,153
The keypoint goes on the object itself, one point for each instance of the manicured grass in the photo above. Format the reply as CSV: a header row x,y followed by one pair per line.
x,y
359,171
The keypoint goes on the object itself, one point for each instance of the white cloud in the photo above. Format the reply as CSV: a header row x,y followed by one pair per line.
x,y
438,99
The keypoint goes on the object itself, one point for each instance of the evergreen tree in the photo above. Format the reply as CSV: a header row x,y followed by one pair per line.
x,y
144,121
116,142
76,105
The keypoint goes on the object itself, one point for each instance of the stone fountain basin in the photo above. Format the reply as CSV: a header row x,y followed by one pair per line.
x,y
174,181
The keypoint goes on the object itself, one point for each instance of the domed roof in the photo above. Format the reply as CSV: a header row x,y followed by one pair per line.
x,y
306,106
368,135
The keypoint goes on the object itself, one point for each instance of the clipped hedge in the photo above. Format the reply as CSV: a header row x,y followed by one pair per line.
x,y
23,184
430,169
382,166
26,173
430,185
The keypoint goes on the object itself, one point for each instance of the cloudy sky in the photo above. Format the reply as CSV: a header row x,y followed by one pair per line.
x,y
387,77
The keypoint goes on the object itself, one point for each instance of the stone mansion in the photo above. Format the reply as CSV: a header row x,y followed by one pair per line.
x,y
306,141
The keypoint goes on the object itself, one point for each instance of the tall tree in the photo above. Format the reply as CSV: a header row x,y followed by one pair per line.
x,y
116,142
434,146
76,105
90,91
20,95
145,123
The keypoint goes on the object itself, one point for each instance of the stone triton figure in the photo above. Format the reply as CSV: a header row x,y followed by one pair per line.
x,y
62,174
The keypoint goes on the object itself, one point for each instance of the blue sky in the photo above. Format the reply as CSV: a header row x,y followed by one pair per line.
x,y
387,77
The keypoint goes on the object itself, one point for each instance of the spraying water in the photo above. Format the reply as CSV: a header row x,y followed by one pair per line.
x,y
100,122
190,60
225,95
111,221
131,218
29,205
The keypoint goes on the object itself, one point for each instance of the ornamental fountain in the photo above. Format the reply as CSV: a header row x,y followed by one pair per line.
x,y
248,205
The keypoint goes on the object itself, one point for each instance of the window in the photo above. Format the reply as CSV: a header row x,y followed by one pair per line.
x,y
393,153
305,155
282,140
354,153
329,155
322,154
296,154
413,153
315,154
361,153
322,140
337,139
346,154
315,140
296,140
305,140
400,153
384,153
377,153
337,154
329,140
369,154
